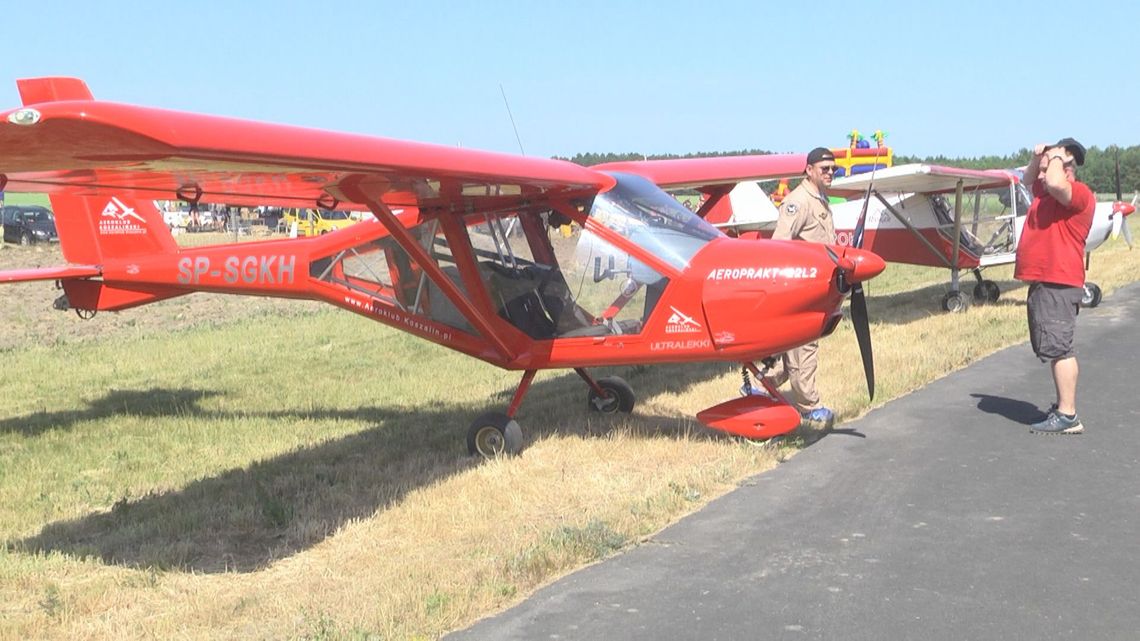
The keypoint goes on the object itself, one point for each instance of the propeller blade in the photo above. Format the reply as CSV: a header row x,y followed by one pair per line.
x,y
863,335
1117,221
1127,232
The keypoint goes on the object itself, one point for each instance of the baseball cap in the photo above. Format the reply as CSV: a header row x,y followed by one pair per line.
x,y
821,153
1072,146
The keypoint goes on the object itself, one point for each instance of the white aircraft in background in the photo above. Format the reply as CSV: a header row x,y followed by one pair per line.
x,y
919,214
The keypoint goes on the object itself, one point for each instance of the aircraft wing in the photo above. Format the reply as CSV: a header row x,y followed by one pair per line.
x,y
921,178
707,173
65,141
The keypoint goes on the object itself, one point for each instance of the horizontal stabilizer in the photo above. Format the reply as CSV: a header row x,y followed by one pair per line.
x,y
49,273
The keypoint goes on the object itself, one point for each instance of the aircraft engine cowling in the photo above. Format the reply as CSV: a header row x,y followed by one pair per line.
x,y
771,296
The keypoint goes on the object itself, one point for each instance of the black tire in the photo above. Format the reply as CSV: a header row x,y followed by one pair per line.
x,y
1092,295
955,302
986,291
494,434
618,396
26,238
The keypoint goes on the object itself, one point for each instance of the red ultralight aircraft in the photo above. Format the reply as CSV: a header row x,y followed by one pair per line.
x,y
473,262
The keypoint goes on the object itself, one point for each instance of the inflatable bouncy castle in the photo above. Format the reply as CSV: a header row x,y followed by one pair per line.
x,y
860,156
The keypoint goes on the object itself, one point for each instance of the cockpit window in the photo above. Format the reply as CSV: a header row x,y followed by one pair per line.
x,y
647,216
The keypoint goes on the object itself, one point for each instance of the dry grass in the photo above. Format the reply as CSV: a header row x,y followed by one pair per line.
x,y
303,476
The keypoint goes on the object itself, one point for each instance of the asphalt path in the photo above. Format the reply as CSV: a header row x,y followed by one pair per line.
x,y
937,516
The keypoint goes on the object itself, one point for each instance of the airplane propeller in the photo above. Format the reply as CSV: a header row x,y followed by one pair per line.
x,y
859,319
859,305
1121,210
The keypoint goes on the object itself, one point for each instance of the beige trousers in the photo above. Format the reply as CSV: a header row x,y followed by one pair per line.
x,y
799,366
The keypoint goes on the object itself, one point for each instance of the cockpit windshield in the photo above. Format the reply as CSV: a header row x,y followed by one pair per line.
x,y
651,218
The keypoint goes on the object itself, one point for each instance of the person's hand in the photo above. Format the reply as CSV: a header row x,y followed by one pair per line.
x,y
1039,149
1059,152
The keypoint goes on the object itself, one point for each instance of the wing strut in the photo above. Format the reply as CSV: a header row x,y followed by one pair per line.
x,y
418,254
911,228
958,189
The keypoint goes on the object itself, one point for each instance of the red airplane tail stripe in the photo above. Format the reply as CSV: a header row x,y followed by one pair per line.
x,y
95,229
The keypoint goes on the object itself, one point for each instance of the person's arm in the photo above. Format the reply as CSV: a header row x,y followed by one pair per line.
x,y
790,222
1056,183
1034,166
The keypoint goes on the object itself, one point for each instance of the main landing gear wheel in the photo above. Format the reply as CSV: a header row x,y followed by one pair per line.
x,y
494,434
1092,295
618,396
986,291
955,302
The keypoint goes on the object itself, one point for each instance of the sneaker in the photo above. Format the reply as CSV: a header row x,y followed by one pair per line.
x,y
1057,423
819,415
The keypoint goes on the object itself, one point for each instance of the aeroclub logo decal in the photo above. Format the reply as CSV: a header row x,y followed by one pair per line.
x,y
681,323
119,219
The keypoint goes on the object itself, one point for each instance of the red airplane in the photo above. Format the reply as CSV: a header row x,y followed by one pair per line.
x,y
471,260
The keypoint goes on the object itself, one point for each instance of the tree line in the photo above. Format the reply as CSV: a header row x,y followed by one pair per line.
x,y
1099,170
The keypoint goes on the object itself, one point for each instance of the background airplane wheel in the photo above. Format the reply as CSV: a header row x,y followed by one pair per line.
x,y
493,434
619,396
1092,295
986,291
955,302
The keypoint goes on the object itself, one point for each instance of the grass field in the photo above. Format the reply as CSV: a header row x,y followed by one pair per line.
x,y
214,467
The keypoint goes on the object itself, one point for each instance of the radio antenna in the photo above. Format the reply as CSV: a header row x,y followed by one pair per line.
x,y
512,117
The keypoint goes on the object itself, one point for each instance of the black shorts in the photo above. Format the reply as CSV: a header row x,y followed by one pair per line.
x,y
1053,319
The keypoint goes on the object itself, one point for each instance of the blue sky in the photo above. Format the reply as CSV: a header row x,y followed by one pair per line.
x,y
962,78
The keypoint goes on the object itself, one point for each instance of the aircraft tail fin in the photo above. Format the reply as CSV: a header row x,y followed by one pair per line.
x,y
94,229
37,90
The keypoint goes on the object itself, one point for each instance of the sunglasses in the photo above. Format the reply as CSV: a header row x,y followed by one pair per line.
x,y
828,169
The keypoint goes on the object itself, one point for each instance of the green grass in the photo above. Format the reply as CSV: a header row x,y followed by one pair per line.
x,y
306,476
12,198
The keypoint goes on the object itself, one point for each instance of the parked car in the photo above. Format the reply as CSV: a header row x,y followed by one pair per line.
x,y
27,224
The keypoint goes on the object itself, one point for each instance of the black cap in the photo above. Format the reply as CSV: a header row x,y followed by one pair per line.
x,y
818,154
1073,147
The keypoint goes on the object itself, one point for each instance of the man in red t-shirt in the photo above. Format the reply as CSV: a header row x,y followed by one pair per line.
x,y
1050,257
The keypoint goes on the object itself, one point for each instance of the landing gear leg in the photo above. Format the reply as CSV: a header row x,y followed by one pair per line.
x,y
494,433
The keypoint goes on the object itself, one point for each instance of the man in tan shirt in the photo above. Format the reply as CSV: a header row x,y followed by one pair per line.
x,y
806,215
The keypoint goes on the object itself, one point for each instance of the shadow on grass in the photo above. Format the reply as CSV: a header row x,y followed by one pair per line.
x,y
243,520
901,308
151,402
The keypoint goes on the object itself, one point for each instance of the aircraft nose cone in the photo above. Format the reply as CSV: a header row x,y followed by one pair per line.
x,y
1125,208
867,264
